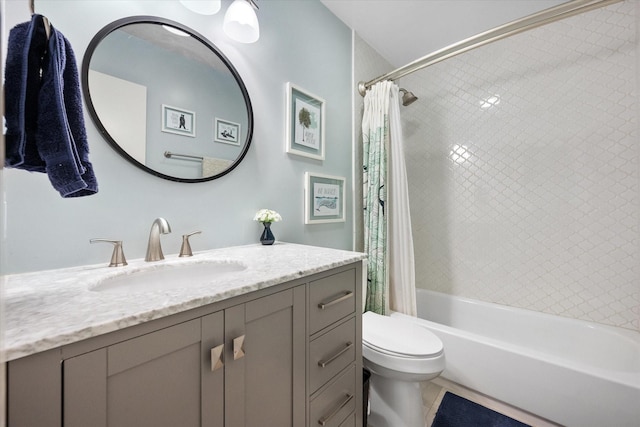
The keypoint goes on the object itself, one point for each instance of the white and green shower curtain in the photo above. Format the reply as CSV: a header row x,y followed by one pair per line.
x,y
388,239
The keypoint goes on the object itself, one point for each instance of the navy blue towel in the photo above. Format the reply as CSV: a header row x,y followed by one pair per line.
x,y
22,85
44,118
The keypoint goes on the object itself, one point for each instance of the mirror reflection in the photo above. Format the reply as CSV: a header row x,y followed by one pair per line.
x,y
167,99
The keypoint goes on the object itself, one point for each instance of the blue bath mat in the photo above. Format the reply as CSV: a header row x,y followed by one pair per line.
x,y
455,411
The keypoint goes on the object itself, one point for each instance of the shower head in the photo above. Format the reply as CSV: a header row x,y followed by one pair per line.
x,y
408,97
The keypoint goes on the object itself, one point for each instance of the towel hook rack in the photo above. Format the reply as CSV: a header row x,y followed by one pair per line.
x,y
47,24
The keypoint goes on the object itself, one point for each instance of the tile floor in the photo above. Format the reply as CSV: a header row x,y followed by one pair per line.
x,y
433,392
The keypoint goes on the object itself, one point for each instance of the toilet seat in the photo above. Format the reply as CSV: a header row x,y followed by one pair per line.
x,y
399,338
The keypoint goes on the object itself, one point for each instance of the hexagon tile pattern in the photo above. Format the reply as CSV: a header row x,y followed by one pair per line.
x,y
524,172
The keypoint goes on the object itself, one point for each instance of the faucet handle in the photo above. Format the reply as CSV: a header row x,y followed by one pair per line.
x,y
117,258
185,250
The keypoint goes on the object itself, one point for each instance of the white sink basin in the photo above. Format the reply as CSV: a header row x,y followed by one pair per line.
x,y
169,276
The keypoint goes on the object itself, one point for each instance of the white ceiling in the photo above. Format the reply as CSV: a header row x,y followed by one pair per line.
x,y
404,30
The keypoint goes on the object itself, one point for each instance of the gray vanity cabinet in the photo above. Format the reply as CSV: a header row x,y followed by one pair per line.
x,y
149,380
252,360
236,367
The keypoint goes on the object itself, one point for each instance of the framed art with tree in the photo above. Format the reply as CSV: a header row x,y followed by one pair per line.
x,y
305,123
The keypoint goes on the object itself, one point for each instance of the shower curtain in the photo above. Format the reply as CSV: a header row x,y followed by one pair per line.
x,y
388,239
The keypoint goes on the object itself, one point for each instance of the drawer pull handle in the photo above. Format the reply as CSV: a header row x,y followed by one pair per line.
x,y
346,296
324,420
216,357
323,363
238,347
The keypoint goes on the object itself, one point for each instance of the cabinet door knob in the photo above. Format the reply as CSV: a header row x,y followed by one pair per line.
x,y
326,304
217,354
238,347
324,420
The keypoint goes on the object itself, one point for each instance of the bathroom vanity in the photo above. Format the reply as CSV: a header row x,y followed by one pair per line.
x,y
274,343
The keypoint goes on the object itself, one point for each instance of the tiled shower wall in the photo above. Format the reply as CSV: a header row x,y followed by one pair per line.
x,y
524,173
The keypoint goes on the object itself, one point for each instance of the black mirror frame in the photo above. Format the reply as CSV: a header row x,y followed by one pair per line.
x,y
104,32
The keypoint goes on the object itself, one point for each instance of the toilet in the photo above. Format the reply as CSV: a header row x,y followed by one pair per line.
x,y
400,354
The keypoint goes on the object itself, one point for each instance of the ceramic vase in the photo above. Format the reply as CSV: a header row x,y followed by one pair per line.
x,y
267,237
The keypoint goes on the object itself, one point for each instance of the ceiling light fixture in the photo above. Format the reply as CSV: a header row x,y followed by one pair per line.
x,y
241,22
202,7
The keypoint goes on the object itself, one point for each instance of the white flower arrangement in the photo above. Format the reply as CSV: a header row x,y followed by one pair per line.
x,y
267,215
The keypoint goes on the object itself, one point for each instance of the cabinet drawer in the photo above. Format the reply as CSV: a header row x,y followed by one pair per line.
x,y
331,353
350,421
331,299
331,407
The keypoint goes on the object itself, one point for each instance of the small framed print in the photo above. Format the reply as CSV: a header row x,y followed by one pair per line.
x,y
324,199
305,123
178,121
227,132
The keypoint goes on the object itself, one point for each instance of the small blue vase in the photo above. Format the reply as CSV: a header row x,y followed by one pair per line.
x,y
267,237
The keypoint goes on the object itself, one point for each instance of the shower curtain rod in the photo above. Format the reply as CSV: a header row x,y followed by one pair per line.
x,y
529,22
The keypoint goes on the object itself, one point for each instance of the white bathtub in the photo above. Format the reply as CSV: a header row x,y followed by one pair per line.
x,y
571,372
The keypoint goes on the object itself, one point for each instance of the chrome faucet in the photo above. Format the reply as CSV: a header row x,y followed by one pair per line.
x,y
154,250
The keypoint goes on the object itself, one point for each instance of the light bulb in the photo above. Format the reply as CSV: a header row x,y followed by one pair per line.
x,y
202,7
241,22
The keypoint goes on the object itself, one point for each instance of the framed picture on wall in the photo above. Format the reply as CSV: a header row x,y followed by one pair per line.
x,y
178,121
324,198
305,123
227,132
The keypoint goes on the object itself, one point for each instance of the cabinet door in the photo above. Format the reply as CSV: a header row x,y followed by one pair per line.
x,y
151,380
34,397
265,375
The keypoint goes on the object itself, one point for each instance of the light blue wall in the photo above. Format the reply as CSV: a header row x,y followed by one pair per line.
x,y
301,42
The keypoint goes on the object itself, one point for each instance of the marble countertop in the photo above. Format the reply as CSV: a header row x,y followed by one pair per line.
x,y
48,309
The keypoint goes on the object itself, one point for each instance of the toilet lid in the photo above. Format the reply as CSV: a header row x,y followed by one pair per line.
x,y
398,337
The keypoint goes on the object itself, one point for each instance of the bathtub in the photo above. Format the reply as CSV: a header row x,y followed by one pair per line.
x,y
571,372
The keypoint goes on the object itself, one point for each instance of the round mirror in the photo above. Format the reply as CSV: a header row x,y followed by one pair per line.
x,y
166,99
